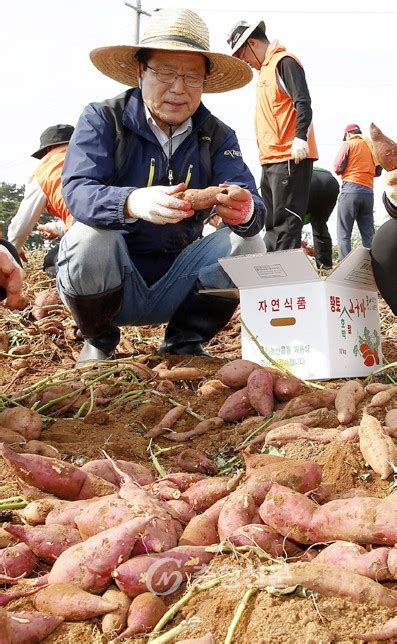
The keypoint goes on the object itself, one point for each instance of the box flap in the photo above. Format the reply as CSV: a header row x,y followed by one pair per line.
x,y
231,293
355,270
266,269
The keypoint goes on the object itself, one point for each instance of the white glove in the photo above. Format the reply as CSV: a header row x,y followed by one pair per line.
x,y
391,186
158,205
52,229
299,149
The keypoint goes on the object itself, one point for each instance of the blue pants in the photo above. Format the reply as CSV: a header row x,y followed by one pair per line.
x,y
359,207
92,261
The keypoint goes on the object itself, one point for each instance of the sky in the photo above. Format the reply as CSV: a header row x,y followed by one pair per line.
x,y
347,48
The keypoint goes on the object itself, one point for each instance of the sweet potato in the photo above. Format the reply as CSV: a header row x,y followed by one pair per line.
x,y
303,476
31,627
238,510
66,512
202,530
211,388
192,460
162,572
62,479
382,398
275,544
286,387
306,403
362,520
235,374
385,149
377,448
17,560
71,602
260,392
22,420
203,198
36,512
46,542
204,426
295,431
347,398
387,632
237,406
182,509
375,387
45,302
6,539
205,493
391,419
183,480
168,421
89,564
104,468
115,622
40,448
144,613
331,581
11,437
356,558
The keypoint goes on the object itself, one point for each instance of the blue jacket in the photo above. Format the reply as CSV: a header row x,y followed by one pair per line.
x,y
95,190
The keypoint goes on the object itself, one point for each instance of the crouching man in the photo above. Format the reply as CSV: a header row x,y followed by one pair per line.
x,y
136,254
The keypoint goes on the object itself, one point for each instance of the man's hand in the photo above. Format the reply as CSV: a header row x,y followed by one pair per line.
x,y
299,150
158,205
23,255
11,277
391,186
49,231
236,207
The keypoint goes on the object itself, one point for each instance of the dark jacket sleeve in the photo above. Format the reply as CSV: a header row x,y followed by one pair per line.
x,y
89,163
391,209
294,79
229,167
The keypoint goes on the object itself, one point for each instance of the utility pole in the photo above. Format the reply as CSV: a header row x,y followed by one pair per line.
x,y
138,12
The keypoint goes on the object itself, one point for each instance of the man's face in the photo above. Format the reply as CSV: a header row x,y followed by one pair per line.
x,y
171,104
246,53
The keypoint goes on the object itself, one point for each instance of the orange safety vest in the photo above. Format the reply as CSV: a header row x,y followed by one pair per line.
x,y
361,163
48,174
275,119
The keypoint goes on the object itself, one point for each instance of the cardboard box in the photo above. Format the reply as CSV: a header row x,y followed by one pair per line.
x,y
319,328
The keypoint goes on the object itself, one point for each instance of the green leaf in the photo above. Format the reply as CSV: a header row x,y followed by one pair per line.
x,y
273,451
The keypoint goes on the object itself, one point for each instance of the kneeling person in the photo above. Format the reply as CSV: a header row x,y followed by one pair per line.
x,y
136,254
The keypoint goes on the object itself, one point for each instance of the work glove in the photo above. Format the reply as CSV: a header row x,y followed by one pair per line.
x,y
52,229
158,205
299,149
391,186
236,206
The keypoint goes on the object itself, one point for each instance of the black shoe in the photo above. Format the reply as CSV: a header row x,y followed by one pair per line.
x,y
198,319
93,315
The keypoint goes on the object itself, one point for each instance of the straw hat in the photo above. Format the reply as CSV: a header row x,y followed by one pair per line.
x,y
173,30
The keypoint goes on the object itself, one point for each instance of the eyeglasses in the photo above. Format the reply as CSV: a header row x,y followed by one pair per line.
x,y
169,77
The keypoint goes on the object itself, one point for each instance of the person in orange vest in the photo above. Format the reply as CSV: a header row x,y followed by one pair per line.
x,y
357,166
43,191
284,132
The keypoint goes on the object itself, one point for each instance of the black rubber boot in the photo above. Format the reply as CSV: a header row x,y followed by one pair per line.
x,y
93,315
197,320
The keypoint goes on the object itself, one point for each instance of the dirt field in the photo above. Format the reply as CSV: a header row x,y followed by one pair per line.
x,y
35,355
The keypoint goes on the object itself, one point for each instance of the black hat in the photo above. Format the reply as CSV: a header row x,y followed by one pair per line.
x,y
53,135
241,31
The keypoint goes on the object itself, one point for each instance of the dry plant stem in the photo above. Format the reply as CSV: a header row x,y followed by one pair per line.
x,y
4,354
174,632
13,503
178,404
171,612
159,469
238,614
254,432
275,363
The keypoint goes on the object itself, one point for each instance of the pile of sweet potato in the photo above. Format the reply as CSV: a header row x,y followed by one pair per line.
x,y
112,539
